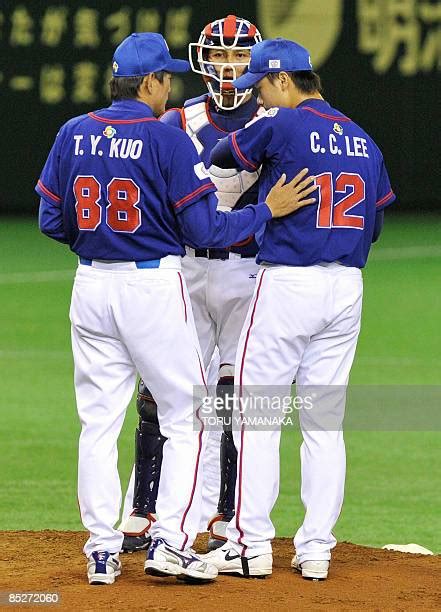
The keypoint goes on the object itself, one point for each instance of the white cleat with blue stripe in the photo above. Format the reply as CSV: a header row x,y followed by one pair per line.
x,y
164,560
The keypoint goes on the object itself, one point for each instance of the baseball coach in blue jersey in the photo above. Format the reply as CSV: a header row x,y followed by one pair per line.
x,y
304,318
126,192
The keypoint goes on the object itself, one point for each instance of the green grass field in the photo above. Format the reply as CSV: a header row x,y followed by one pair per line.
x,y
393,491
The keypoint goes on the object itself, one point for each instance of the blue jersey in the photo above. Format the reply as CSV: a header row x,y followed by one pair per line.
x,y
220,123
113,172
120,185
350,173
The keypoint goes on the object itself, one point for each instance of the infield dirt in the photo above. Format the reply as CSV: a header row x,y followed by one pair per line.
x,y
360,578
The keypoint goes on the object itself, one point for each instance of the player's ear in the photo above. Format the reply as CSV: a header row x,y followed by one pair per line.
x,y
148,84
284,80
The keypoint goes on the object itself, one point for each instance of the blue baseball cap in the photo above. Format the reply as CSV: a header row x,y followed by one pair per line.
x,y
274,55
142,53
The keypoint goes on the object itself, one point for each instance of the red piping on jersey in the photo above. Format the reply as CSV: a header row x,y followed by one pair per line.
x,y
316,112
210,118
173,108
243,242
242,429
104,120
183,119
194,193
239,152
385,198
198,457
47,192
180,111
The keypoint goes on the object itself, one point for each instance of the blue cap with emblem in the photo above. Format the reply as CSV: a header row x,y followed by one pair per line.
x,y
274,55
143,53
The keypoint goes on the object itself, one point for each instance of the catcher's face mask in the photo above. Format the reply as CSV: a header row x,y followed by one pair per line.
x,y
212,58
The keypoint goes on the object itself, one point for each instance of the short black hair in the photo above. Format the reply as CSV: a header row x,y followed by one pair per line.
x,y
127,88
306,81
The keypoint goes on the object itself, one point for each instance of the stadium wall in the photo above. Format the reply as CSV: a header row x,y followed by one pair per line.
x,y
379,60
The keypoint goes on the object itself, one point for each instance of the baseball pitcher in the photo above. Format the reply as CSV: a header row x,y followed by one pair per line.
x,y
304,318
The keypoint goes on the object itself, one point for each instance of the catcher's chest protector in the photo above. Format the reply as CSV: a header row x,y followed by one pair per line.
x,y
230,183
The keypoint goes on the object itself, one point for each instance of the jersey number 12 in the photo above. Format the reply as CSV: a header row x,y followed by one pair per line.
x,y
332,213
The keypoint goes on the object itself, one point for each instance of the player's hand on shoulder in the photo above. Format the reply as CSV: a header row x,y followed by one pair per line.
x,y
285,198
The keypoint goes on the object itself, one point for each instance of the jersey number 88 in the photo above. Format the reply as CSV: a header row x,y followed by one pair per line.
x,y
122,213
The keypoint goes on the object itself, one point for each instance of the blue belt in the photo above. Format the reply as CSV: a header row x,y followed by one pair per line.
x,y
151,263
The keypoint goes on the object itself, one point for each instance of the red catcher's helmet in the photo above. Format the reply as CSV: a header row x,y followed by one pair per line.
x,y
231,32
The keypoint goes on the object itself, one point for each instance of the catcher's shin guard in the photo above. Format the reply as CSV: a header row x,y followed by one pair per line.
x,y
228,465
148,459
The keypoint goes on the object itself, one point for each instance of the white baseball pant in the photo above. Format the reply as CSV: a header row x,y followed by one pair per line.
x,y
220,293
303,322
127,320
211,478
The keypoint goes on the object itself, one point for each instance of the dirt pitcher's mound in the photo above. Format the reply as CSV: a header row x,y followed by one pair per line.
x,y
360,578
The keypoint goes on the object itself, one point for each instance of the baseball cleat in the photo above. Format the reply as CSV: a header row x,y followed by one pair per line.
x,y
217,528
164,561
136,531
228,561
103,567
313,570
